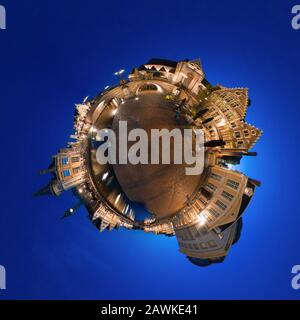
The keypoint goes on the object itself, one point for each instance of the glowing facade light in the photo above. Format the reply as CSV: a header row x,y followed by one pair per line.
x,y
202,219
105,175
118,198
119,72
221,123
126,209
95,180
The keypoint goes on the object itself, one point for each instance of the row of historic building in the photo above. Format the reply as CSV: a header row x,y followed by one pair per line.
x,y
211,221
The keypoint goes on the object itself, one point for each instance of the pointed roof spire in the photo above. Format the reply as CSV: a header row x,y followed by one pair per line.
x,y
103,225
47,190
45,171
50,169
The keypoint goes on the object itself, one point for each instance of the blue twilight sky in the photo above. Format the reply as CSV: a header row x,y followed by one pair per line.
x,y
53,54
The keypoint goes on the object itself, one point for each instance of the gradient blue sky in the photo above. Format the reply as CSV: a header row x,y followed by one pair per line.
x,y
53,54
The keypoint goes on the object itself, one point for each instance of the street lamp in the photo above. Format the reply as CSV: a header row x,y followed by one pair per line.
x,y
119,73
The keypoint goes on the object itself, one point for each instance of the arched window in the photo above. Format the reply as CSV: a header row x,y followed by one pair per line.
x,y
148,87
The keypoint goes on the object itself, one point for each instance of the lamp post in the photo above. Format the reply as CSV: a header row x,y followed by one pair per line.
x,y
119,74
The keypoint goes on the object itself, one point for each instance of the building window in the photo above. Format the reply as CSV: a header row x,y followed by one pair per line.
x,y
232,184
227,195
246,133
75,159
214,212
148,87
64,160
211,186
237,134
76,170
202,201
66,173
207,194
215,176
212,243
221,205
197,206
203,245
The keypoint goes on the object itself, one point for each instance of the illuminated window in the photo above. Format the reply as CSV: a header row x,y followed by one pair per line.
x,y
211,186
76,170
212,243
227,195
232,184
66,173
214,212
215,176
221,205
237,134
203,245
75,159
64,160
246,133
148,87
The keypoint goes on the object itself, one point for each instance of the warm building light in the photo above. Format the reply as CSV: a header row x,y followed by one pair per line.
x,y
183,99
221,123
202,219
105,175
93,129
118,198
126,209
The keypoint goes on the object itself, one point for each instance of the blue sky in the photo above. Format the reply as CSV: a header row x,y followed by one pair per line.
x,y
53,54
